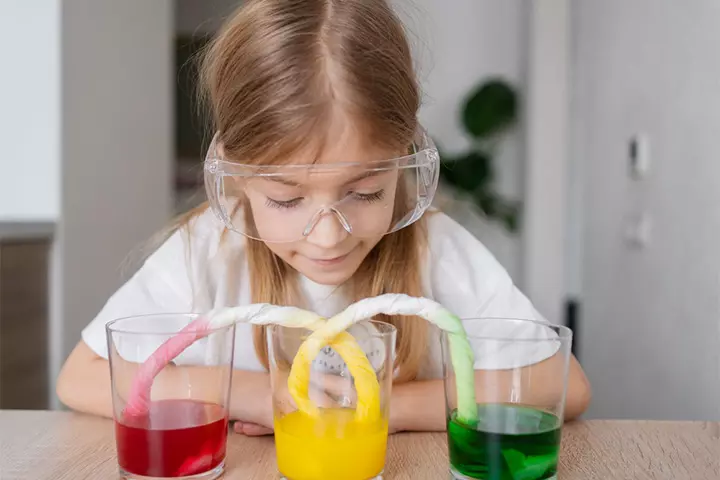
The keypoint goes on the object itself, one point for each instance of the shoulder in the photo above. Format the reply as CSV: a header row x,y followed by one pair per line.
x,y
185,273
450,243
191,247
465,276
201,233
459,262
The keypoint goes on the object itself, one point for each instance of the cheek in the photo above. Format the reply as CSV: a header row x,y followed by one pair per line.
x,y
365,246
387,212
283,250
265,228
265,222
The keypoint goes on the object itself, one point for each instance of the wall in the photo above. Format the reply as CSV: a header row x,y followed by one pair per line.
x,y
457,45
650,329
116,151
202,16
30,111
544,232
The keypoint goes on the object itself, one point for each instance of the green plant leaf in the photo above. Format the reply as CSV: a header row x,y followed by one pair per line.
x,y
488,202
468,172
510,219
491,108
496,208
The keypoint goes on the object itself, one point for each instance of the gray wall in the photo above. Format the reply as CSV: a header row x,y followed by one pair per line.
x,y
457,45
116,150
650,335
202,16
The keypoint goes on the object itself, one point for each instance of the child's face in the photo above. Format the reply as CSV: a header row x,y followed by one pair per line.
x,y
328,254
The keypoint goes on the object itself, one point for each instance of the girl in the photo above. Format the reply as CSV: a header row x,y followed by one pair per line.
x,y
320,164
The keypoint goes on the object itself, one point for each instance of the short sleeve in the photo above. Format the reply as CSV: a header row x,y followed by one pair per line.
x,y
469,281
164,284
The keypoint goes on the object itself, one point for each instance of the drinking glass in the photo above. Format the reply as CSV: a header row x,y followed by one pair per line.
x,y
520,371
183,431
334,443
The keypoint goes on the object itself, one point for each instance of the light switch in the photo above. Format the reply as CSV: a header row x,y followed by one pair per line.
x,y
639,156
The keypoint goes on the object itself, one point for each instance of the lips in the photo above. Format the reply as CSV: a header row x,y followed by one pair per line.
x,y
329,260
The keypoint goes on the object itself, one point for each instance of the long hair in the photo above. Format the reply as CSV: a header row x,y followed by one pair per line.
x,y
276,75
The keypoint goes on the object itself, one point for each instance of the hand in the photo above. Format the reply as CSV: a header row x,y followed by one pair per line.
x,y
253,414
251,429
325,391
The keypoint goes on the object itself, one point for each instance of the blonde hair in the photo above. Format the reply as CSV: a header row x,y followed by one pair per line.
x,y
277,74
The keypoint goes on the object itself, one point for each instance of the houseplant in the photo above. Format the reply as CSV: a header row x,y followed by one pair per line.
x,y
489,113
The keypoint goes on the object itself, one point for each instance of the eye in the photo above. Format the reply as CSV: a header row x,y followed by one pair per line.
x,y
283,204
369,197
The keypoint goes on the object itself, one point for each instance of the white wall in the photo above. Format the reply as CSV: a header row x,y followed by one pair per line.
x,y
30,110
117,76
457,45
650,334
544,239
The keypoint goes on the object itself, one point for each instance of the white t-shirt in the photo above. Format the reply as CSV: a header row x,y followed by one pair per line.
x,y
459,273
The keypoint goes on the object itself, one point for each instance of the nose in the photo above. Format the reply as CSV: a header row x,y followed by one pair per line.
x,y
327,229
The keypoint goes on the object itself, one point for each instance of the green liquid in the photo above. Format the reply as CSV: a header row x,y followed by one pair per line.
x,y
509,443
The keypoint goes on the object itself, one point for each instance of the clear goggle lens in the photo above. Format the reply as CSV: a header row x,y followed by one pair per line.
x,y
286,203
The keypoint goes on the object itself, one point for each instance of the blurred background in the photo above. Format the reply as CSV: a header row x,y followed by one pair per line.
x,y
579,142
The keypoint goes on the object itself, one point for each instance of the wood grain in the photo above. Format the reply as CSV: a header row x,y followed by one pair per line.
x,y
42,445
24,323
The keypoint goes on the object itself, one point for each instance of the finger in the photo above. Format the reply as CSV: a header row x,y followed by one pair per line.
x,y
255,430
322,399
338,388
251,429
335,385
237,427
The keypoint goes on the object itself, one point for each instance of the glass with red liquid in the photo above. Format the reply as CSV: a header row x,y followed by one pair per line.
x,y
183,432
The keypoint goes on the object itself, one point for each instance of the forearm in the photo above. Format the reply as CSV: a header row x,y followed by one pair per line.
x,y
250,400
86,390
249,395
420,405
84,385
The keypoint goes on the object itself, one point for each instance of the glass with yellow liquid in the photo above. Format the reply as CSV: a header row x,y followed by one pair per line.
x,y
344,433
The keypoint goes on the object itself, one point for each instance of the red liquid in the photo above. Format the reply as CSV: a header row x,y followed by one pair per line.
x,y
177,438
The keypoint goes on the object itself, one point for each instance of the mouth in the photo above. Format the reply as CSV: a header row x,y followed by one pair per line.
x,y
327,262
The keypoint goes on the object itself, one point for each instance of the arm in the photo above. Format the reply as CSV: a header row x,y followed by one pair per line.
x,y
420,405
84,385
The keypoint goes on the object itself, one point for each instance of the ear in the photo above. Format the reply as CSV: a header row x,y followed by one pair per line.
x,y
216,147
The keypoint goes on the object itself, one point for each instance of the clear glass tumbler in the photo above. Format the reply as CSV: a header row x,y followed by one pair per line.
x,y
182,429
520,380
349,385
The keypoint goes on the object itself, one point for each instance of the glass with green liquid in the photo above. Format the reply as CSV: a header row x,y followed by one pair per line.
x,y
521,369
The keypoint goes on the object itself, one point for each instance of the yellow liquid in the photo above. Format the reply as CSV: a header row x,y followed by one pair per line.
x,y
333,446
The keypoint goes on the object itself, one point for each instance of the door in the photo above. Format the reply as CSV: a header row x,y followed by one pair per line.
x,y
650,331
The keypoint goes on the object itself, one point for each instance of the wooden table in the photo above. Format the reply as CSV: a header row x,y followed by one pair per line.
x,y
63,446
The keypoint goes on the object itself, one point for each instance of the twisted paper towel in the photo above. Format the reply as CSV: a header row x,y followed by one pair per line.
x,y
331,333
366,384
461,352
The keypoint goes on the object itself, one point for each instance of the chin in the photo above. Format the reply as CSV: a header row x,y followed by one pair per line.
x,y
329,278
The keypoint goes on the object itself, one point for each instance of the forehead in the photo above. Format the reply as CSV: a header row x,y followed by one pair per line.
x,y
343,142
344,154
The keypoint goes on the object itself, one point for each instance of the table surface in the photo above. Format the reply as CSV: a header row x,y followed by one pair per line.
x,y
41,445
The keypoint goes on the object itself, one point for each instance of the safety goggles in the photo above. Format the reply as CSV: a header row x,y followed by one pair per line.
x,y
286,203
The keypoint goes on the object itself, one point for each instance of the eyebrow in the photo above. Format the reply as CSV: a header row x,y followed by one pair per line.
x,y
362,176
